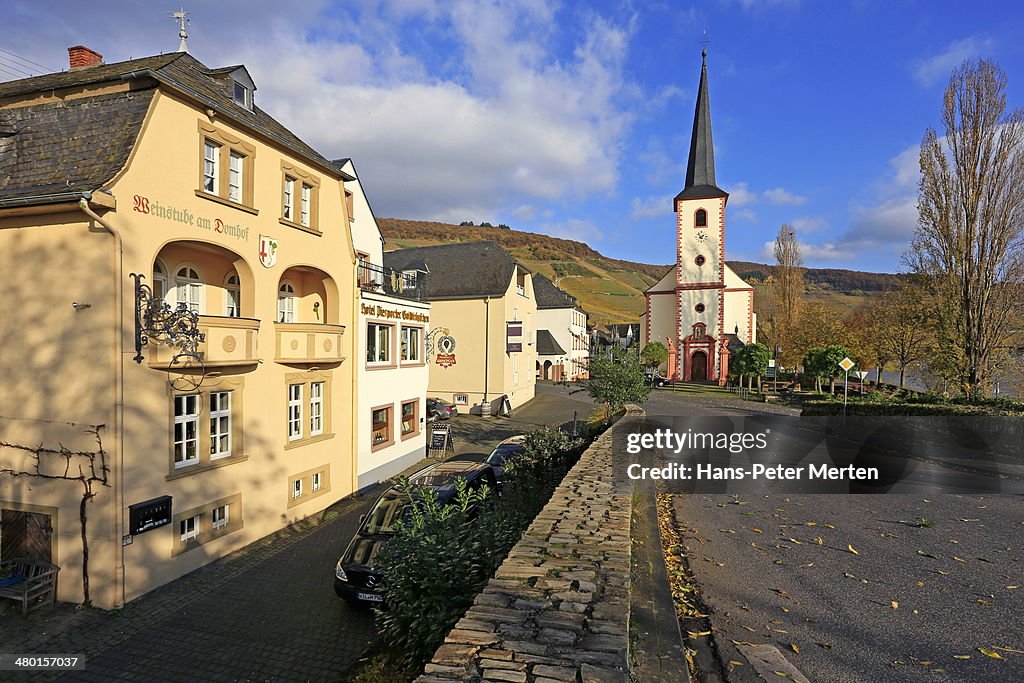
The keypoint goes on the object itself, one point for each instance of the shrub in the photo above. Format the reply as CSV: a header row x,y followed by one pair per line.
x,y
441,556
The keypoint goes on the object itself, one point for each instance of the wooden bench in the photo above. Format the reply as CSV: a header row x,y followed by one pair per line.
x,y
35,584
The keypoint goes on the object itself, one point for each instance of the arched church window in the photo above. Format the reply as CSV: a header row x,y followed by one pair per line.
x,y
700,260
699,308
700,219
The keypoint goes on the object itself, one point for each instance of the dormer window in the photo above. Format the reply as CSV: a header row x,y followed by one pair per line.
x,y
242,95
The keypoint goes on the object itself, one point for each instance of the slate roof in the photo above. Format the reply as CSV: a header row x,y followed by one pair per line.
x,y
548,295
75,146
700,165
463,270
81,144
547,346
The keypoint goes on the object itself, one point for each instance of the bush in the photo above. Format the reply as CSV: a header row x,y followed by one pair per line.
x,y
441,556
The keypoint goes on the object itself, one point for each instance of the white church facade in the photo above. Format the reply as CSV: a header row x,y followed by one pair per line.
x,y
701,310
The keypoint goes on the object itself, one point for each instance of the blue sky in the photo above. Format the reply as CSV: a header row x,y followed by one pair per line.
x,y
573,119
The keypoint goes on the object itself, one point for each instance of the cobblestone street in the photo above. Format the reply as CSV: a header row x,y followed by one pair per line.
x,y
265,613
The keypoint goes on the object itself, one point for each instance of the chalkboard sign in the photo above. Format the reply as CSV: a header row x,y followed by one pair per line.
x,y
149,514
441,439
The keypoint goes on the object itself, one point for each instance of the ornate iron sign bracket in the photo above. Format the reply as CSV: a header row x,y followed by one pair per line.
x,y
155,320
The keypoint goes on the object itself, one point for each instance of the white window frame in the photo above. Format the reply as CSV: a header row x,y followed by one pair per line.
x,y
225,515
296,489
316,408
304,205
286,302
184,419
373,342
232,296
187,534
189,289
411,352
295,420
246,95
236,176
314,482
159,280
218,418
289,198
211,166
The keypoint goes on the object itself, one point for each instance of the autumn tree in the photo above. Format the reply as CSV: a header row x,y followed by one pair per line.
x,y
905,328
968,245
787,290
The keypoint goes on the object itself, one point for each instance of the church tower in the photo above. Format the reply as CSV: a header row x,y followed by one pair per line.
x,y
700,253
700,309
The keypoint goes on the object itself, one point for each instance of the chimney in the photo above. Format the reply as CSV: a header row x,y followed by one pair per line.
x,y
81,57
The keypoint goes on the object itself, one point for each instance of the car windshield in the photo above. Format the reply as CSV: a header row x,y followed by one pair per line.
x,y
385,512
503,452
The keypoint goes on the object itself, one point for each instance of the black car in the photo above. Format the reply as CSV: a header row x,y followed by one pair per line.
x,y
438,409
505,450
655,378
355,576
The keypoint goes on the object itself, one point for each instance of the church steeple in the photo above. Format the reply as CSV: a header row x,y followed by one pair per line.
x,y
700,166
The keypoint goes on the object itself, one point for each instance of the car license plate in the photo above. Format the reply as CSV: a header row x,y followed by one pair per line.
x,y
370,597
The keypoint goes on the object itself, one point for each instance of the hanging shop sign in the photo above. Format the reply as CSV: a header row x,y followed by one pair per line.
x,y
446,351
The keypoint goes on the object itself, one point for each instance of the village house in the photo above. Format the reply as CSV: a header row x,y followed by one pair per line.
x,y
563,346
482,348
225,414
392,366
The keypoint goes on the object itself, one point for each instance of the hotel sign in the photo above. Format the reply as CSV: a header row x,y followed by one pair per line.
x,y
514,337
394,313
446,351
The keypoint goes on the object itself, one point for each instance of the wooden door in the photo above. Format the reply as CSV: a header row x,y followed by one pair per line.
x,y
25,535
699,366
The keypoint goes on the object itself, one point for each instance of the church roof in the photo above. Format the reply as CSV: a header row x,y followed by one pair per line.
x,y
700,166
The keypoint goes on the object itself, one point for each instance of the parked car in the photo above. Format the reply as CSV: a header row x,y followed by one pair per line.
x,y
356,577
438,409
655,378
505,450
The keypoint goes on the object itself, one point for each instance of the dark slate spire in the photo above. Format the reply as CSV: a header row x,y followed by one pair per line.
x,y
700,166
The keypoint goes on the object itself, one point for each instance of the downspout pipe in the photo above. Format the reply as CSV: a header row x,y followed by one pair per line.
x,y
118,430
487,353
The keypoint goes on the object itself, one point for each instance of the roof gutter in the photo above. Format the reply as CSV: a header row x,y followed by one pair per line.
x,y
54,198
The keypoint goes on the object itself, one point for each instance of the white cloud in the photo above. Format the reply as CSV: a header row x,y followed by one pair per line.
x,y
748,215
525,212
931,70
782,196
740,195
827,251
650,207
807,224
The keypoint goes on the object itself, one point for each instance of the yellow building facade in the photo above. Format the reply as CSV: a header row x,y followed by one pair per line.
x,y
223,213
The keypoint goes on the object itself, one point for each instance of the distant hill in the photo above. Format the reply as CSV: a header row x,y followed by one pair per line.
x,y
611,290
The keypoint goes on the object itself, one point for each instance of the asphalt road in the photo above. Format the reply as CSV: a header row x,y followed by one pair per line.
x,y
929,580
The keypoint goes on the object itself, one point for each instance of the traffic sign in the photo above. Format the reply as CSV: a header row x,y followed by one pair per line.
x,y
846,364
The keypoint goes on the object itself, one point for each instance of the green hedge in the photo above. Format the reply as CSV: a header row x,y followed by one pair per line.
x,y
442,555
873,408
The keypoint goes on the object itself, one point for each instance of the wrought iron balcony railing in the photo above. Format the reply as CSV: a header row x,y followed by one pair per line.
x,y
384,280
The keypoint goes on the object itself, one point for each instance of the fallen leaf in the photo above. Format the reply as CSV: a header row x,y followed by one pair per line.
x,y
850,548
924,554
1008,649
824,646
819,540
982,559
796,541
987,603
756,530
919,584
794,648
849,575
781,674
701,634
990,653
894,604
735,663
809,564
959,559
1012,587
830,526
962,519
961,656
812,524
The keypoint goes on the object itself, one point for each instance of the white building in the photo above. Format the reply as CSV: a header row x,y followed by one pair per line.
x,y
392,365
563,346
700,309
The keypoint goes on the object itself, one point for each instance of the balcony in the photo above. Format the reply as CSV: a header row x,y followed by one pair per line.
x,y
308,343
227,341
384,280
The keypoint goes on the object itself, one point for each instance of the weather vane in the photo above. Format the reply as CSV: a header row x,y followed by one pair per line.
x,y
704,42
181,16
